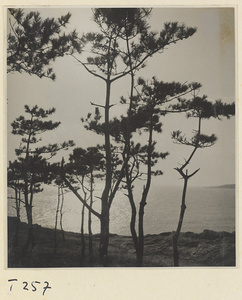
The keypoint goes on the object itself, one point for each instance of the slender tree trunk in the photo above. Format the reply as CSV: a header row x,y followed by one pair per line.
x,y
56,216
183,205
28,205
28,209
144,195
178,230
104,238
61,214
30,237
132,224
90,220
82,234
140,252
16,238
133,216
127,148
133,209
17,200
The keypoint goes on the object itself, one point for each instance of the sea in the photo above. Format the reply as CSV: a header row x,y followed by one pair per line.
x,y
207,208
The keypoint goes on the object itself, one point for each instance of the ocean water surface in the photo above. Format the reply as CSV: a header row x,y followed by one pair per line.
x,y
207,208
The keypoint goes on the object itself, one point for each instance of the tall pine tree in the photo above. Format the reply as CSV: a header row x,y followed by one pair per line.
x,y
117,26
201,109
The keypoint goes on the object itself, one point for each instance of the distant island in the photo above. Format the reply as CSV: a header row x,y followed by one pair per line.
x,y
224,186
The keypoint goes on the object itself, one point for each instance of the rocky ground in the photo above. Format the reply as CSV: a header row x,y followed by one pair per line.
x,y
206,249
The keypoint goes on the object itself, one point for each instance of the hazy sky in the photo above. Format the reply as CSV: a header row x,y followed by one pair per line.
x,y
207,57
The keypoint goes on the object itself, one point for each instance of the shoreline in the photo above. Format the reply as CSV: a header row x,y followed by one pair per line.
x,y
206,249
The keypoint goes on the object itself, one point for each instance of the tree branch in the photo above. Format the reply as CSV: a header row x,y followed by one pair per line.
x,y
80,197
84,65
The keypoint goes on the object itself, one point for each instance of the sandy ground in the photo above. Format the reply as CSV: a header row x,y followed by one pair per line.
x,y
207,249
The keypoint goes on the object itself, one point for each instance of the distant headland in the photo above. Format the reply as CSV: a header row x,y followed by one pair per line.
x,y
224,186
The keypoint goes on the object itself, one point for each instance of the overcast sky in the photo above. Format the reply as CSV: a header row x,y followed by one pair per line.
x,y
207,57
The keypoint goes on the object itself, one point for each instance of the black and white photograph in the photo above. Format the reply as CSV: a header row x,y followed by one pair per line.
x,y
121,144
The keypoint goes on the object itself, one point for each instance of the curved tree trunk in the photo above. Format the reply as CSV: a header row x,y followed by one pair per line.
x,y
145,194
178,230
183,204
140,252
126,159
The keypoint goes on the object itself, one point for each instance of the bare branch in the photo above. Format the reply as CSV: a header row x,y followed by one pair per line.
x,y
84,65
98,105
193,173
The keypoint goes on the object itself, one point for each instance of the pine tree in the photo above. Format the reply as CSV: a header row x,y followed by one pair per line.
x,y
84,165
117,26
15,182
150,104
201,109
34,168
